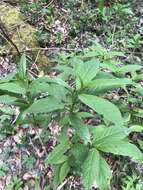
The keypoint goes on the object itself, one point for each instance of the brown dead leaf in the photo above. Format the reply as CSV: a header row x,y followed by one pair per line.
x,y
29,175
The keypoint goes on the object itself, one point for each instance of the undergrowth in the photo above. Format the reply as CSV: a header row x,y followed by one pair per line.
x,y
92,104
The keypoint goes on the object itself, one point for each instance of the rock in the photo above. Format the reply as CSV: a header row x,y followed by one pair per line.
x,y
25,37
10,16
22,34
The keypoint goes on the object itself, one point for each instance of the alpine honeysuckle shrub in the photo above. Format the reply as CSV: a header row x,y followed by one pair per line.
x,y
79,93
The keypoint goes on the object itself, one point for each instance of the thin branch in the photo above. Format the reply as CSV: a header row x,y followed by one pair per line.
x,y
62,185
41,142
52,48
70,49
52,1
34,64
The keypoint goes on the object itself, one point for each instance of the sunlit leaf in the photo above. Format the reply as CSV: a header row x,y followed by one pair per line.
x,y
103,107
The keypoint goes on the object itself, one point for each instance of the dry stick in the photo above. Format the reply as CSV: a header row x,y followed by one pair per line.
x,y
37,57
41,142
32,73
31,143
67,49
53,48
34,64
5,39
71,184
113,34
46,49
9,1
5,34
50,3
20,157
62,185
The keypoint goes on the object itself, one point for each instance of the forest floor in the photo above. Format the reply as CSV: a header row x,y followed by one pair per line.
x,y
67,27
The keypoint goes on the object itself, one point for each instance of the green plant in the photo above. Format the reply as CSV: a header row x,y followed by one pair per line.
x,y
29,161
36,10
16,183
3,170
123,9
136,42
132,183
78,93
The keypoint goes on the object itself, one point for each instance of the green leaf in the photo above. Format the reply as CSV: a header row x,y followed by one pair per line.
x,y
101,5
80,152
45,105
62,159
108,84
65,69
57,154
129,69
7,110
136,128
60,173
64,170
104,75
95,50
54,86
7,78
6,99
86,71
139,90
138,77
14,87
108,135
51,80
22,66
96,171
103,107
112,140
37,87
61,82
44,79
81,128
91,54
140,144
84,114
113,54
110,67
56,178
57,91
123,148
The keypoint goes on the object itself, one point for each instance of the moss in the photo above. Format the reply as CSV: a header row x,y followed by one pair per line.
x,y
23,34
43,62
25,37
10,16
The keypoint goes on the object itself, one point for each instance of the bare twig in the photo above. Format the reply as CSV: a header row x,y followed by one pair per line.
x,y
53,48
31,143
33,73
68,49
5,39
34,64
41,142
62,185
50,3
